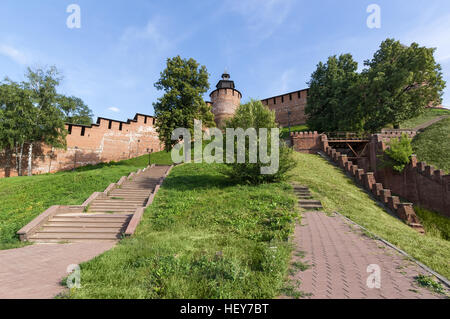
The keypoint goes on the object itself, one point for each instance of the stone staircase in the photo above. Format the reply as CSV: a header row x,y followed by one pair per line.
x,y
306,200
107,216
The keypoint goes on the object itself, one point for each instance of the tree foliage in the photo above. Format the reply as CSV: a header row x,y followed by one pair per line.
x,y
75,110
332,98
398,154
256,115
396,85
401,82
184,82
32,112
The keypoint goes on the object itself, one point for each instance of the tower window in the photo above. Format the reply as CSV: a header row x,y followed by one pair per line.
x,y
70,129
282,99
299,94
145,120
274,100
110,124
83,131
290,97
120,126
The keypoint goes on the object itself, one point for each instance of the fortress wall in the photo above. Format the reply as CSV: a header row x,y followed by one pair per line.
x,y
306,142
107,140
419,183
295,102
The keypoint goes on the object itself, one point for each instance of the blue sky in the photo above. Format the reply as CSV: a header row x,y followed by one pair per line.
x,y
270,47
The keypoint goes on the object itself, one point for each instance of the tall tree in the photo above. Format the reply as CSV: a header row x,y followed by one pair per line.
x,y
401,82
75,110
184,83
333,102
48,118
16,121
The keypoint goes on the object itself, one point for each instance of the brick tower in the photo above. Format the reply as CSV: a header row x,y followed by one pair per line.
x,y
225,100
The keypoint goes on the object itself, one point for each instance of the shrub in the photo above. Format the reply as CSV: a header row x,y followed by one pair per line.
x,y
398,155
255,115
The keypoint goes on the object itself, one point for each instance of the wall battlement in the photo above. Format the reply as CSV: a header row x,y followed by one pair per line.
x,y
106,140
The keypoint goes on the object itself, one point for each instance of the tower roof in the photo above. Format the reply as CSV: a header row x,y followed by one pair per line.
x,y
225,83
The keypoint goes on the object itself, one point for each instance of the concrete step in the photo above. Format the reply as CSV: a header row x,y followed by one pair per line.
x,y
84,225
309,202
71,236
113,204
78,240
310,206
88,220
61,230
122,200
112,210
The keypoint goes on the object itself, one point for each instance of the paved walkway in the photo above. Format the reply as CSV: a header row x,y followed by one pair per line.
x,y
339,253
35,272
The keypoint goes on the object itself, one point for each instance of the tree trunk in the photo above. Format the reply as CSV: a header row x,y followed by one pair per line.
x,y
30,160
8,162
19,169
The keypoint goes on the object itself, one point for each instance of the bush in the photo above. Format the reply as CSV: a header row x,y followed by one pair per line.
x,y
255,115
398,155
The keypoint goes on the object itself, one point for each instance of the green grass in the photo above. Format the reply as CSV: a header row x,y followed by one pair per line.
x,y
433,146
24,198
428,115
203,237
294,128
339,193
435,225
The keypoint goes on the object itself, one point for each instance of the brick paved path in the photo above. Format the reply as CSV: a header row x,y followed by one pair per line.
x,y
339,254
35,272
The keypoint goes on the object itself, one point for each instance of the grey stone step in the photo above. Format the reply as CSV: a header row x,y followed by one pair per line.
x,y
310,201
88,220
84,225
100,230
70,236
309,206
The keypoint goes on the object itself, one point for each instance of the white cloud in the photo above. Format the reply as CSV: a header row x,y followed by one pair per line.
x,y
435,33
261,17
14,54
154,32
114,109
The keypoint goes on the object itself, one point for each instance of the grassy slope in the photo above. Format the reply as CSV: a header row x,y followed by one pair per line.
x,y
202,238
433,145
428,115
295,128
339,193
24,198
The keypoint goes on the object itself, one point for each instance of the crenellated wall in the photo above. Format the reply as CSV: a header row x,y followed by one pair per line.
x,y
107,140
419,183
306,142
367,180
294,102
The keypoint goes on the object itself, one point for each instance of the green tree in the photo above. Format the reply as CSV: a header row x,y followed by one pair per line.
x,y
184,83
401,82
398,154
334,98
256,115
16,120
75,110
49,126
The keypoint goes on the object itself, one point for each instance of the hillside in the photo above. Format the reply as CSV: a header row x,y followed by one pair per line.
x,y
428,115
433,145
24,198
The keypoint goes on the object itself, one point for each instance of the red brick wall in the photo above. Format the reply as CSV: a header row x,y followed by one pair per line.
x,y
306,142
106,141
419,183
294,102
